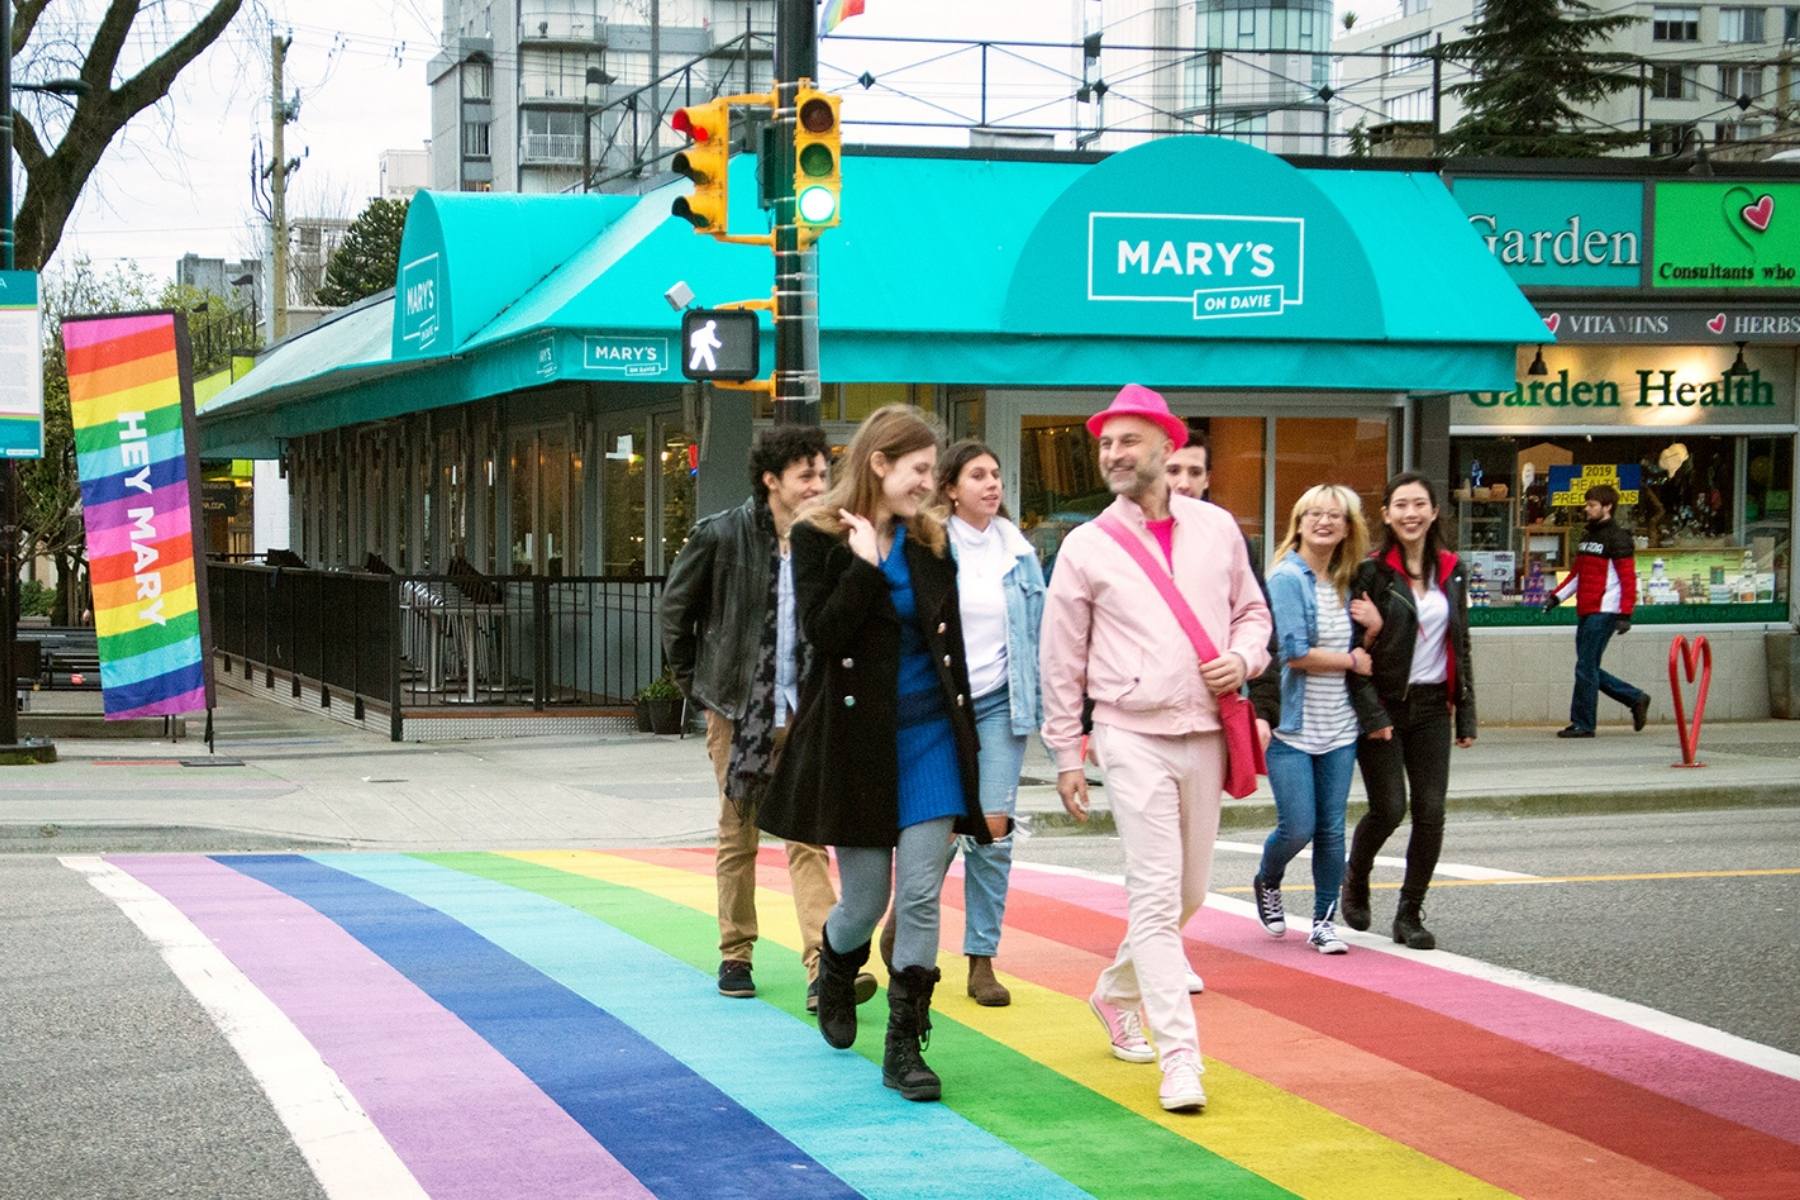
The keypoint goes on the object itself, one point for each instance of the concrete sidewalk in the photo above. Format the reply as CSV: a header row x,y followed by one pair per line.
x,y
283,778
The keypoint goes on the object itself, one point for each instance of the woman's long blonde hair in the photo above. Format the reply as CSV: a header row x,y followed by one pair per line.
x,y
893,432
1350,551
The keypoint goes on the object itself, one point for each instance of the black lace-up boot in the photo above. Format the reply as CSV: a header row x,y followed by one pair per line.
x,y
909,1033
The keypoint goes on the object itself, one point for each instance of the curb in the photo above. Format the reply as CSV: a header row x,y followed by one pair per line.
x,y
1260,813
53,837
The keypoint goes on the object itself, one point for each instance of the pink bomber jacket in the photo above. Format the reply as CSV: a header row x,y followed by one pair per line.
x,y
1108,634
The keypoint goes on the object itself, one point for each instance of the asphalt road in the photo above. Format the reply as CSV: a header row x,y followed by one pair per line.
x,y
1709,941
117,1085
115,1082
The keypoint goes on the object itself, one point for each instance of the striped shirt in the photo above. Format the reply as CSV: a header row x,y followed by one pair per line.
x,y
1328,721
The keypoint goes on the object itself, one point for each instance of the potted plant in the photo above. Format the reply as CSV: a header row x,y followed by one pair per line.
x,y
661,701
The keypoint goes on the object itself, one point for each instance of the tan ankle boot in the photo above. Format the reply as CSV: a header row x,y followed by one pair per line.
x,y
988,991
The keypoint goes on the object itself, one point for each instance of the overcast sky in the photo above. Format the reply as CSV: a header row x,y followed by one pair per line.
x,y
179,179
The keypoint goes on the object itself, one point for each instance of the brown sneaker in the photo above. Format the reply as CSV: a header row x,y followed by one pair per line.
x,y
988,991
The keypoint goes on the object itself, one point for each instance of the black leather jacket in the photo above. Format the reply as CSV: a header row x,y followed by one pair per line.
x,y
714,602
1393,649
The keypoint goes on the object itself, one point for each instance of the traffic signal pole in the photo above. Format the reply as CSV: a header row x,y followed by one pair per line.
x,y
796,258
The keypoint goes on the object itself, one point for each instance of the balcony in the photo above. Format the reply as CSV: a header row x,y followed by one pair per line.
x,y
561,28
556,149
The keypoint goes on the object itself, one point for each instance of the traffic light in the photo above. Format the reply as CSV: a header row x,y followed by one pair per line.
x,y
818,143
705,161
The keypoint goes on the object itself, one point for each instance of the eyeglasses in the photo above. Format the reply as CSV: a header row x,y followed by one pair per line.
x,y
1318,516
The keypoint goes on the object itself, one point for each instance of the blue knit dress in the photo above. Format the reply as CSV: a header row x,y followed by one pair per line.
x,y
930,778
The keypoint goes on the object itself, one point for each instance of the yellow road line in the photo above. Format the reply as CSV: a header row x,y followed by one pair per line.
x,y
1287,1140
1530,879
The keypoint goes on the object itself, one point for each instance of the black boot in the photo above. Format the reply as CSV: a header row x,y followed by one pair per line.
x,y
909,1032
1353,902
1409,927
837,991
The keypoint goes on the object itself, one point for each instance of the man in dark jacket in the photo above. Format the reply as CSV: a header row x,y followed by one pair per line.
x,y
1604,584
732,639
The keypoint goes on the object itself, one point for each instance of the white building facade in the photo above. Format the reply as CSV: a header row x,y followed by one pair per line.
x,y
1257,71
516,80
1721,71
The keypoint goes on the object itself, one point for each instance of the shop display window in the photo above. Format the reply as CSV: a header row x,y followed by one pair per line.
x,y
1711,516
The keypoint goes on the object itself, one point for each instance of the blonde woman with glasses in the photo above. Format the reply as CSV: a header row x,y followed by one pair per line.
x,y
1313,752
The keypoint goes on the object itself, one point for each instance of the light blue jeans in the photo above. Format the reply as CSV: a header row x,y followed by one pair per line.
x,y
987,869
1311,792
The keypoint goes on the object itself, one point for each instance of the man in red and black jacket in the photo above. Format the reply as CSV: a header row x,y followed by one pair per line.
x,y
1604,583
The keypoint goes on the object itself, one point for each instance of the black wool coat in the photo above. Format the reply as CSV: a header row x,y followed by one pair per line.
x,y
837,783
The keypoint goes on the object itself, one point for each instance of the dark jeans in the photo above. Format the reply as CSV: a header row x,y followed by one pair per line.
x,y
1417,757
1591,636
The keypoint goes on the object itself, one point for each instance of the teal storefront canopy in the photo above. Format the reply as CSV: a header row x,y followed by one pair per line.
x,y
1184,263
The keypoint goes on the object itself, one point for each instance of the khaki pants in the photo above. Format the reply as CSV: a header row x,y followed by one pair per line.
x,y
808,867
1165,802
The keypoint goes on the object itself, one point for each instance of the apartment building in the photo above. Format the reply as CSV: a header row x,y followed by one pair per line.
x,y
1722,72
515,81
1253,70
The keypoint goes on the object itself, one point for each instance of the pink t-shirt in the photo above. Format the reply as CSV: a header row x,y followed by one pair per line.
x,y
1164,533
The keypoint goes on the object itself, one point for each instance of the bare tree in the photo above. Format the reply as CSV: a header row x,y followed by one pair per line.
x,y
117,92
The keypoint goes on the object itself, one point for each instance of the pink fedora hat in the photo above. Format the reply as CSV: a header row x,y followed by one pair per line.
x,y
1136,400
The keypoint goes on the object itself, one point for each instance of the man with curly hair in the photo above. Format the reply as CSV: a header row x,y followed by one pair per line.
x,y
731,637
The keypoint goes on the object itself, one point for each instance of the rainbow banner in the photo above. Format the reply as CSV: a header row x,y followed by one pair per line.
x,y
839,11
547,1024
132,402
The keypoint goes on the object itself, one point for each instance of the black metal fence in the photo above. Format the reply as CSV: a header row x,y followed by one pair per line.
x,y
437,641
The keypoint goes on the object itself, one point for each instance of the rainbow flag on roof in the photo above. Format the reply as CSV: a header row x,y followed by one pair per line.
x,y
839,11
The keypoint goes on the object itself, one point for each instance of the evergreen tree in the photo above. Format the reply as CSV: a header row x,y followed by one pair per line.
x,y
368,258
1534,70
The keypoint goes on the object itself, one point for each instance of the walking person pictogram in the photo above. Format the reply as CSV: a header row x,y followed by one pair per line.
x,y
703,343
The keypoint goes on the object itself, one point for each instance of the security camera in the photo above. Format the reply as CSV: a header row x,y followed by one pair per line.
x,y
679,296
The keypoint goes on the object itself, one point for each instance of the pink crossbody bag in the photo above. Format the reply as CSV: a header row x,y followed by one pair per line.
x,y
1243,749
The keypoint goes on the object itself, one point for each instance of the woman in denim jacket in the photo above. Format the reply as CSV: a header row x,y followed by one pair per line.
x,y
1313,752
1001,589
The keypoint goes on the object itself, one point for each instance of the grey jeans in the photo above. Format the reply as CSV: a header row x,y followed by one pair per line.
x,y
915,870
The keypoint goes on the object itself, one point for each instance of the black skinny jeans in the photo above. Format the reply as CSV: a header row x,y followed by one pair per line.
x,y
1418,755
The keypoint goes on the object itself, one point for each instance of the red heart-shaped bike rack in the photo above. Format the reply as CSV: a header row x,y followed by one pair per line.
x,y
1694,657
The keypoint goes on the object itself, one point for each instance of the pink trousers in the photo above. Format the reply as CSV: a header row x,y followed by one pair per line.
x,y
1165,802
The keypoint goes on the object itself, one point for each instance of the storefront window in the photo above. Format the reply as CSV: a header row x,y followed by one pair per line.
x,y
968,413
1711,515
1235,449
1060,485
1352,451
680,458
622,501
854,401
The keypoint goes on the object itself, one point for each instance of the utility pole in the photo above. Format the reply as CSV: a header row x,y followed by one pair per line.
x,y
796,263
278,239
9,533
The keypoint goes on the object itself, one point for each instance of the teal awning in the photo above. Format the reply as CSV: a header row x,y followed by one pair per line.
x,y
1183,263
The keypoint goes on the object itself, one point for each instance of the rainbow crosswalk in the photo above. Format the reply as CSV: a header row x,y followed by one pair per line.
x,y
545,1024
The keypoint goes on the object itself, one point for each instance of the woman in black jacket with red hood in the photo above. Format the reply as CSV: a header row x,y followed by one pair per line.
x,y
1412,597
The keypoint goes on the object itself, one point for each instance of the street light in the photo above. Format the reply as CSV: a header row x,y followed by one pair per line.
x,y
247,279
596,77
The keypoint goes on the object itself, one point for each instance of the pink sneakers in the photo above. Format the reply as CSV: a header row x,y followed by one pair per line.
x,y
1181,1090
1124,1029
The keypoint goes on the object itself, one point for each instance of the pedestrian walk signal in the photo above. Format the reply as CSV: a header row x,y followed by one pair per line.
x,y
720,343
818,144
705,160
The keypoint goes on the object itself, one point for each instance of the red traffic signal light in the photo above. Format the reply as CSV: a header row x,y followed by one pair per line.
x,y
706,161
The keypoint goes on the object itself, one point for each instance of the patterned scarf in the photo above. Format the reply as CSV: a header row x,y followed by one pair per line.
x,y
753,737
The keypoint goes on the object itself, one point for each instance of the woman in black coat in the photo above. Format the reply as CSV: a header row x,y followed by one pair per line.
x,y
881,755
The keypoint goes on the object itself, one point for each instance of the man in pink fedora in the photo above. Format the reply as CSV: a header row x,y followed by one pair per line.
x,y
1109,633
